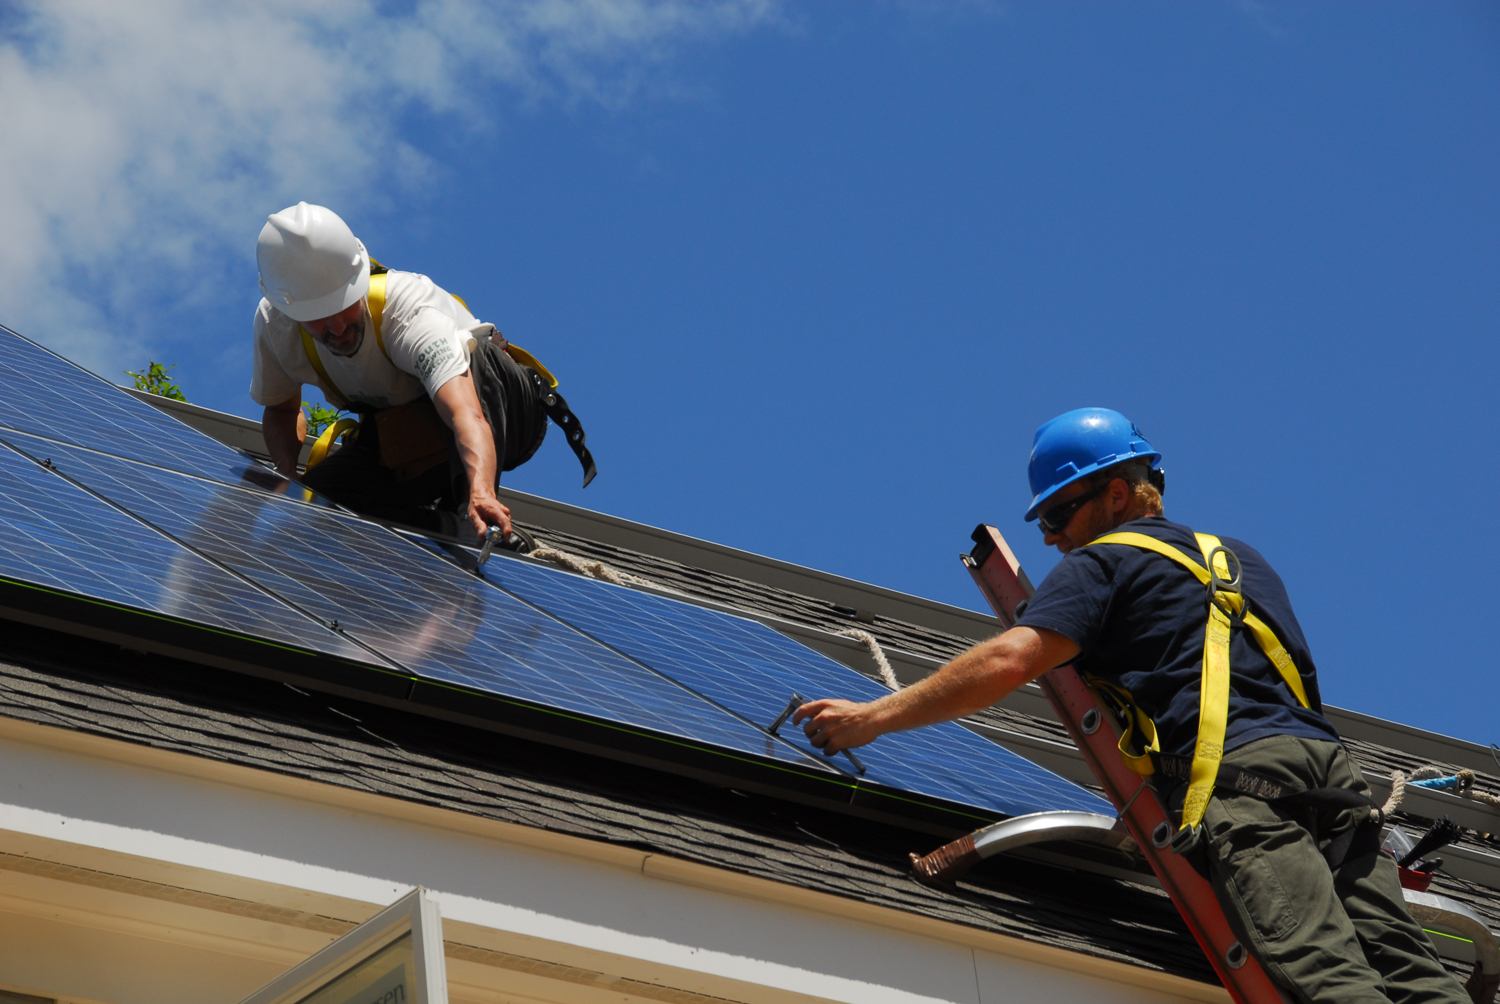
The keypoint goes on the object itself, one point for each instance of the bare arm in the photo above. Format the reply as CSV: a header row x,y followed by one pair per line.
x,y
285,427
974,681
458,407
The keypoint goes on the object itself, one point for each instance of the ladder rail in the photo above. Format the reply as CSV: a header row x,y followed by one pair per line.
x,y
1000,578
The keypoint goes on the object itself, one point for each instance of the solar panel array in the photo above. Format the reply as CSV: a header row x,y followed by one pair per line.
x,y
752,670
107,500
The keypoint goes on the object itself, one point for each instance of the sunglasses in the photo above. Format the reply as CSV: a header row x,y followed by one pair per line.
x,y
1058,517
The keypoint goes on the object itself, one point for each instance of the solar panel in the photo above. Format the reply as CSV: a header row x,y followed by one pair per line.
x,y
215,546
753,670
422,613
56,538
46,395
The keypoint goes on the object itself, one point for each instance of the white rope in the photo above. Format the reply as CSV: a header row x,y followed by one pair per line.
x,y
1465,785
1398,792
591,567
887,674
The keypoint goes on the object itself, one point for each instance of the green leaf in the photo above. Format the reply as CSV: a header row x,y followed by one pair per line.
x,y
157,380
320,417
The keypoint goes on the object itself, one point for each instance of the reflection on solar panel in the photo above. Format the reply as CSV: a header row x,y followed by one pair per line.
x,y
419,611
46,395
752,670
57,537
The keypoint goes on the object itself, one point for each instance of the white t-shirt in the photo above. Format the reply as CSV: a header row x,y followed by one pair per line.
x,y
428,334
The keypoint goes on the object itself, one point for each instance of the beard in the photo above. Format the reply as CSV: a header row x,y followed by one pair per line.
x,y
352,338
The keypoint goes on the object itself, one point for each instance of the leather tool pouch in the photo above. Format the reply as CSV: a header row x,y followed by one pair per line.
x,y
413,439
509,399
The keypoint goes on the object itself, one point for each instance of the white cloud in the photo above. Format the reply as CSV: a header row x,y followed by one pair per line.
x,y
141,143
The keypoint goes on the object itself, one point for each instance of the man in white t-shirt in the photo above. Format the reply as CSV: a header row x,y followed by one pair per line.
x,y
430,444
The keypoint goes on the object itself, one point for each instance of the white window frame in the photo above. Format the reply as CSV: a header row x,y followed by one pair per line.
x,y
414,912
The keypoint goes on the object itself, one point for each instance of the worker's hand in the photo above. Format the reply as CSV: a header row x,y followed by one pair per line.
x,y
834,726
486,511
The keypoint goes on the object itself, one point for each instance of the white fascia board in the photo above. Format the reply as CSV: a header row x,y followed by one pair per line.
x,y
196,824
831,954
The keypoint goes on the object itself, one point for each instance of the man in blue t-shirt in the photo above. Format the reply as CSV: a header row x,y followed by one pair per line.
x,y
1301,879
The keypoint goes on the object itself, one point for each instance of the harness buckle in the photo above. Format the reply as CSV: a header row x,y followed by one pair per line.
x,y
1190,844
1186,840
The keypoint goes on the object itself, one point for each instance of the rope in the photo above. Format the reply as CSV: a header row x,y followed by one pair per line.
x,y
1432,778
887,674
1398,792
593,568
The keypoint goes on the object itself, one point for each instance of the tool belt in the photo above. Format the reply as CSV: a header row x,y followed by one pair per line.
x,y
418,445
413,438
1359,839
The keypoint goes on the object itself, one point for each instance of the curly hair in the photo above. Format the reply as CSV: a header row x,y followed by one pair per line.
x,y
1136,474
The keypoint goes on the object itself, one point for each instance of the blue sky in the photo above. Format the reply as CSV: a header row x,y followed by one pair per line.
x,y
813,274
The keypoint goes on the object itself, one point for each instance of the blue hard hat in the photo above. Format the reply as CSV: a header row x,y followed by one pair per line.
x,y
1078,443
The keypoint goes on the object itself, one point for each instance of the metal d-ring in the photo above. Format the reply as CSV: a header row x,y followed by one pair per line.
x,y
1217,585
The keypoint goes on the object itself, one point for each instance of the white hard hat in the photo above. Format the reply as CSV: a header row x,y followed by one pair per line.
x,y
311,264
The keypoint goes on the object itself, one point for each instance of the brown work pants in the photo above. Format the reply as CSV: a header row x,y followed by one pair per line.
x,y
1324,934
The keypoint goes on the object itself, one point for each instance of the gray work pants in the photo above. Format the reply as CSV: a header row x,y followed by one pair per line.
x,y
1324,934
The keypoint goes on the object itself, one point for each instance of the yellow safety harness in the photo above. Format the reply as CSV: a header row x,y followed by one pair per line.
x,y
1226,605
348,428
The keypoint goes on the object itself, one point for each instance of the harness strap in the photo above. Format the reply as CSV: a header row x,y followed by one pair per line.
x,y
311,348
1226,605
563,417
1242,781
1213,689
1264,637
347,428
1143,763
376,299
556,406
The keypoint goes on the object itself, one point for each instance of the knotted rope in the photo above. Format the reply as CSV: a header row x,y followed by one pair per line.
x,y
1461,784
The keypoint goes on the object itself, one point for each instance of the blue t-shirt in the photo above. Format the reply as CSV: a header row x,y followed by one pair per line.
x,y
1138,619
